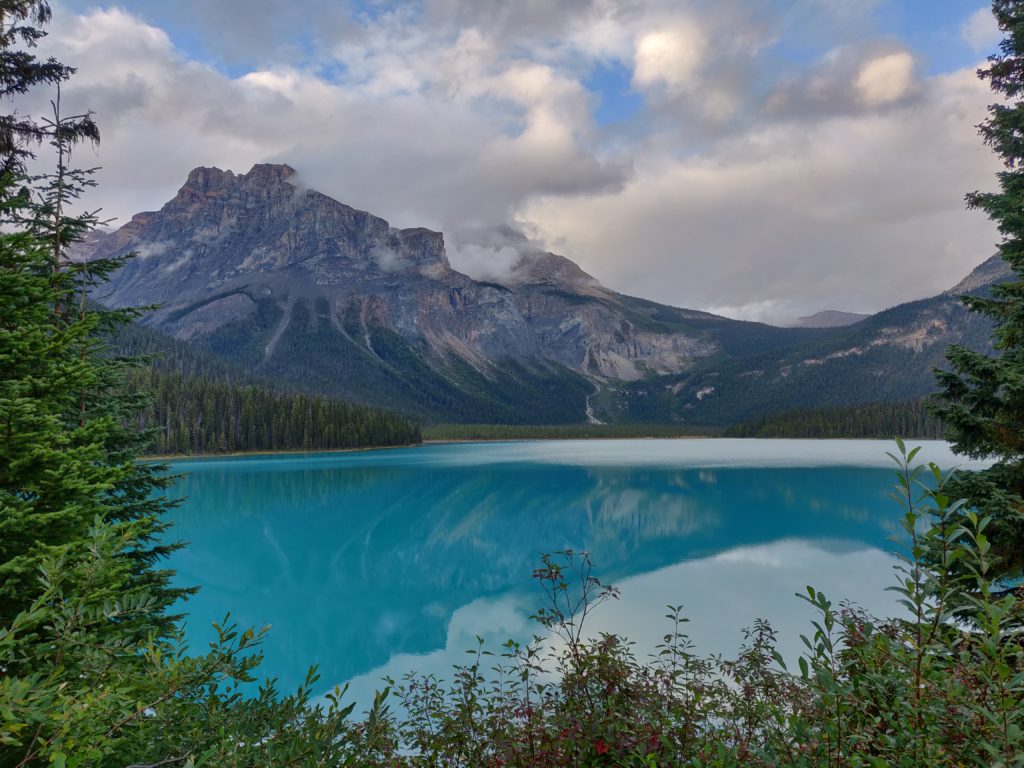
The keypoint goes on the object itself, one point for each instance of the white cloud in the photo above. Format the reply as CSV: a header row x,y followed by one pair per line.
x,y
886,79
494,263
388,260
670,57
603,36
148,250
846,80
981,31
854,212
768,311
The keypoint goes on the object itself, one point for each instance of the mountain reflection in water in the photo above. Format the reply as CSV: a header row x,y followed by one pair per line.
x,y
375,563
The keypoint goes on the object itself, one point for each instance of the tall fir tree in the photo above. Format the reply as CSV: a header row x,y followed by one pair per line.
x,y
67,459
982,397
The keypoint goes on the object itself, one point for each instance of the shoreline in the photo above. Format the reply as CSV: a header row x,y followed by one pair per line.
x,y
272,452
438,441
468,440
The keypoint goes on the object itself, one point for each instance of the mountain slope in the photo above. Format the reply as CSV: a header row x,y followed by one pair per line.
x,y
888,357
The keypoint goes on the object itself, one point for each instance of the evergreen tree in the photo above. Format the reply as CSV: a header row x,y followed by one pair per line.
x,y
982,397
67,460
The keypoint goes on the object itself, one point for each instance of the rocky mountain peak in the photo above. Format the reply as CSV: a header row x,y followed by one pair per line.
x,y
530,265
301,287
211,179
269,173
257,261
204,179
208,184
257,232
201,185
542,267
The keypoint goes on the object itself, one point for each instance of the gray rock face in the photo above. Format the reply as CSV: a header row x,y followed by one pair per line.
x,y
229,248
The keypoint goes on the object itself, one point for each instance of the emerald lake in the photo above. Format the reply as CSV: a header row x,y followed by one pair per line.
x,y
375,563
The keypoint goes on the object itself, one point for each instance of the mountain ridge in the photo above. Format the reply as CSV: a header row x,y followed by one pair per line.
x,y
297,286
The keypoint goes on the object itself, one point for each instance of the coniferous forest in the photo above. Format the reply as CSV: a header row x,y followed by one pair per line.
x,y
197,415
194,414
873,420
196,403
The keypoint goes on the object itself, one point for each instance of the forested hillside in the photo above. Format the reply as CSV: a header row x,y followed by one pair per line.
x,y
196,414
890,357
200,404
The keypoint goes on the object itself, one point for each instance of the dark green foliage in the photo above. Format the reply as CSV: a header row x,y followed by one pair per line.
x,y
234,341
86,692
194,414
92,669
67,459
872,420
21,23
982,397
194,402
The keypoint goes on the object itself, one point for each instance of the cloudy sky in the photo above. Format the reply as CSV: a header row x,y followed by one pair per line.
x,y
760,158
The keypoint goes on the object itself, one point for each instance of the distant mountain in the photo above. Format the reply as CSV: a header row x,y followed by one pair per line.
x,y
298,287
828,318
888,357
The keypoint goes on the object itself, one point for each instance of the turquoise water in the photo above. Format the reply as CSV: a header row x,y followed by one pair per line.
x,y
379,562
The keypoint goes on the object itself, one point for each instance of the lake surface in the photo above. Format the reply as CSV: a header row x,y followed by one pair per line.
x,y
381,562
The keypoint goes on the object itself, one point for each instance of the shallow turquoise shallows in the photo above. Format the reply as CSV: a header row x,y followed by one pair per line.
x,y
377,563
